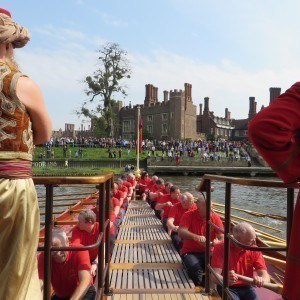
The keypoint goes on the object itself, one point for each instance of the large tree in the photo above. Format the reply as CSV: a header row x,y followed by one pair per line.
x,y
105,83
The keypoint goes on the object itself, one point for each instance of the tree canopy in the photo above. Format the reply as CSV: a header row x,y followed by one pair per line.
x,y
105,83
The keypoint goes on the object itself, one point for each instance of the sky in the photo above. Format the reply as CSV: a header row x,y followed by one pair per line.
x,y
228,50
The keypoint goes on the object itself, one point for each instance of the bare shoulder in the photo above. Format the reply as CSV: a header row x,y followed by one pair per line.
x,y
28,91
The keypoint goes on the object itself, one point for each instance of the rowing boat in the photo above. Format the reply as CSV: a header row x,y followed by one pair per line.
x,y
275,260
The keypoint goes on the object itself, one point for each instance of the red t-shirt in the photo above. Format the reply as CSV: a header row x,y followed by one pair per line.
x,y
195,224
144,183
127,184
242,262
112,218
123,189
150,185
118,194
87,238
164,199
177,212
64,276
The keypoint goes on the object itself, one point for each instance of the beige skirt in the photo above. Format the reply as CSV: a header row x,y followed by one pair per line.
x,y
19,232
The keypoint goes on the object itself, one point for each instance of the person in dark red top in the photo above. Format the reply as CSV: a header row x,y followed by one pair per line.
x,y
175,214
86,232
192,229
70,270
124,190
143,185
112,218
128,185
165,202
120,196
275,133
241,262
157,191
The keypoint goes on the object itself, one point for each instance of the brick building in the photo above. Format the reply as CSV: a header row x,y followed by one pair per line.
x,y
172,118
225,127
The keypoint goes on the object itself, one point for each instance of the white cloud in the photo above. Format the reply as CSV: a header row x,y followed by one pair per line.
x,y
60,73
227,84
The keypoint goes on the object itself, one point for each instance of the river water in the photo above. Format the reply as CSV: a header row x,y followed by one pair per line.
x,y
258,199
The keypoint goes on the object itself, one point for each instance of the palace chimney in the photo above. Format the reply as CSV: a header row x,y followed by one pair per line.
x,y
252,108
227,114
200,108
274,93
166,96
206,105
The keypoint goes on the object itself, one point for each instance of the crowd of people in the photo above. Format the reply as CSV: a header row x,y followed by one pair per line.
x,y
173,150
184,218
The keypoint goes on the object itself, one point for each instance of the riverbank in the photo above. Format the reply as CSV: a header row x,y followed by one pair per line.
x,y
218,170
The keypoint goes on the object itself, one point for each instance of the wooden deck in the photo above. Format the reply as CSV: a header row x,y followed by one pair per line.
x,y
144,264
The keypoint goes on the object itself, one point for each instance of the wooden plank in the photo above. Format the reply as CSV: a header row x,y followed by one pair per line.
x,y
129,226
138,241
137,266
153,291
140,215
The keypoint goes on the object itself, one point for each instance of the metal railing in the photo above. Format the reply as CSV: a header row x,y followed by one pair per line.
x,y
206,183
103,184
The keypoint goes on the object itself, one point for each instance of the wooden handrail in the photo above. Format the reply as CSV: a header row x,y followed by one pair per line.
x,y
248,182
73,180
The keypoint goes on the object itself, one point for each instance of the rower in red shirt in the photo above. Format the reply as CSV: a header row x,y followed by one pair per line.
x,y
275,133
112,218
175,214
165,202
129,186
116,193
70,270
192,229
86,232
241,262
143,184
157,191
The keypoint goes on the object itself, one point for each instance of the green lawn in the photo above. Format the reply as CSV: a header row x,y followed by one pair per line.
x,y
88,153
75,172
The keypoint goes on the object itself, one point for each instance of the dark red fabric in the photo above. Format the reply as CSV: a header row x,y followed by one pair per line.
x,y
164,199
87,238
4,11
177,212
275,132
242,262
64,276
195,224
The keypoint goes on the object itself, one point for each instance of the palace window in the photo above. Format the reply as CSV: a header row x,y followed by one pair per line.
x,y
149,118
172,115
149,128
164,128
126,126
164,117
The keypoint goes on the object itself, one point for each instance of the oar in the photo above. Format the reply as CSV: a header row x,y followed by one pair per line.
x,y
249,221
279,263
68,195
277,288
62,199
264,234
70,204
253,213
58,212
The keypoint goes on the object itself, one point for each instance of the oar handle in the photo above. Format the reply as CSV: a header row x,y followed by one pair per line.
x,y
271,286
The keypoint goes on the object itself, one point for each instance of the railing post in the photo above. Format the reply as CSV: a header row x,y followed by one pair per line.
x,y
290,213
48,242
207,244
101,251
226,239
109,183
